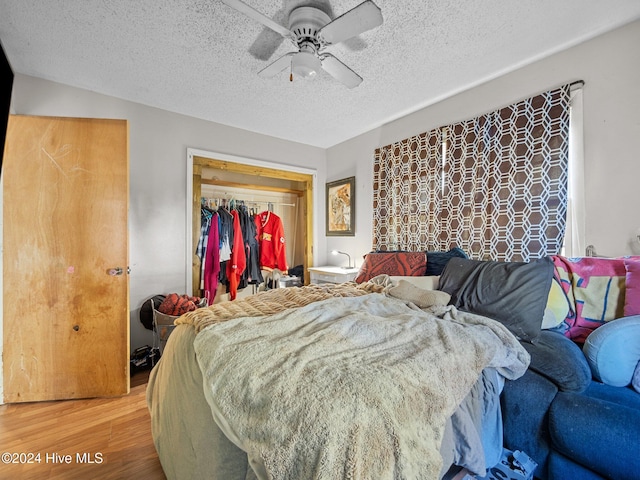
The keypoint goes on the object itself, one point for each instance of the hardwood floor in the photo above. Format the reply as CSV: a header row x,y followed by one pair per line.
x,y
101,438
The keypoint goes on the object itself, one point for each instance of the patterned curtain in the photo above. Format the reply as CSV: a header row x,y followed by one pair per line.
x,y
495,185
407,181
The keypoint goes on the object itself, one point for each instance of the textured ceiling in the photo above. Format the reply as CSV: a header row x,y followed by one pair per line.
x,y
201,58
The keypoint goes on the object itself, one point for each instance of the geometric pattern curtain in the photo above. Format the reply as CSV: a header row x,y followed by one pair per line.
x,y
407,184
494,185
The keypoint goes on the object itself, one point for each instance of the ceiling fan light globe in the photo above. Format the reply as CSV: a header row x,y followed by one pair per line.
x,y
305,65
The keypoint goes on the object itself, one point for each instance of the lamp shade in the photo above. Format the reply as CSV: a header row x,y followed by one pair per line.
x,y
305,65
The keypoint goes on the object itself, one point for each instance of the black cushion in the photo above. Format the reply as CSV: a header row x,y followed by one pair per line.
x,y
514,293
436,261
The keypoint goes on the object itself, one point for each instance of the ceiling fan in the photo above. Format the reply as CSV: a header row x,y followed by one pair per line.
x,y
311,31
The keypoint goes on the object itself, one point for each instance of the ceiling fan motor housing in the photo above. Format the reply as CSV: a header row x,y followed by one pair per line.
x,y
305,22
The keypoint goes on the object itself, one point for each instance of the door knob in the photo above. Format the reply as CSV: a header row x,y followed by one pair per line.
x,y
115,271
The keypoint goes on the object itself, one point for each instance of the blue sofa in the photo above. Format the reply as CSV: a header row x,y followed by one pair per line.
x,y
576,411
571,424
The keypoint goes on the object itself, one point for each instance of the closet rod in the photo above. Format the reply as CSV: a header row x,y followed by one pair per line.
x,y
266,188
250,202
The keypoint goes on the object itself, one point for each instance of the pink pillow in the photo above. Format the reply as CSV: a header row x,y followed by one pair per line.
x,y
632,287
595,291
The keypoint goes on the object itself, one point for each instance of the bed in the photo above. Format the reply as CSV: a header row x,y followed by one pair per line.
x,y
379,380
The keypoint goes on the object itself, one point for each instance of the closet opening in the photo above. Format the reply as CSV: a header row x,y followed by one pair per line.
x,y
253,187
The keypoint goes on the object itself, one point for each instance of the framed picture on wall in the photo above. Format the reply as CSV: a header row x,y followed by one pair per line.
x,y
341,214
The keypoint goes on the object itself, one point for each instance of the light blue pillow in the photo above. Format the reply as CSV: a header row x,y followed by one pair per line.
x,y
613,351
636,379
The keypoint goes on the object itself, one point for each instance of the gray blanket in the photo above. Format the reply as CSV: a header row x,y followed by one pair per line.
x,y
355,388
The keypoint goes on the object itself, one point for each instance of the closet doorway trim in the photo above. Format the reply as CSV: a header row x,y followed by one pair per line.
x,y
311,177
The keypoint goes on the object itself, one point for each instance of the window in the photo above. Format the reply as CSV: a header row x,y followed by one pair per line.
x,y
494,185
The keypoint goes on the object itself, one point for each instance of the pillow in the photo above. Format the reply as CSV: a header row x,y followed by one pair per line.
x,y
595,291
392,263
635,381
419,296
632,287
426,283
557,358
436,261
557,307
513,293
613,351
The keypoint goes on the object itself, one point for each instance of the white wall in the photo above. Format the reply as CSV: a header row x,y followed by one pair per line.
x,y
610,67
158,155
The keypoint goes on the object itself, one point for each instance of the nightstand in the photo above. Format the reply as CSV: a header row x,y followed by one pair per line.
x,y
331,274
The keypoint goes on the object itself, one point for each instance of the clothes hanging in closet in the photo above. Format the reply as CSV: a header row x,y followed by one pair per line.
x,y
216,234
270,231
207,266
226,233
226,241
212,260
234,246
238,261
205,223
252,273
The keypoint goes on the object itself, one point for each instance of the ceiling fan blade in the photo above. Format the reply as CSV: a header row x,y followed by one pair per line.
x,y
258,17
340,71
364,17
277,66
265,44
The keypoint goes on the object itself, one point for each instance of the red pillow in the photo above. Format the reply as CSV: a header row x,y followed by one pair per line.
x,y
392,263
632,287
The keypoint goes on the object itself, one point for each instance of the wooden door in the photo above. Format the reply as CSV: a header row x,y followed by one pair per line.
x,y
66,304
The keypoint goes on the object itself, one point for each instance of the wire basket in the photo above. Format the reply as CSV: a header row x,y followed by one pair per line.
x,y
163,325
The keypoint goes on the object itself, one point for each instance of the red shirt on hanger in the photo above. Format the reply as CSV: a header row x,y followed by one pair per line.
x,y
270,235
238,261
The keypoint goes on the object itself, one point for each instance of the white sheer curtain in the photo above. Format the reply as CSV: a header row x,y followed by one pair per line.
x,y
574,244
